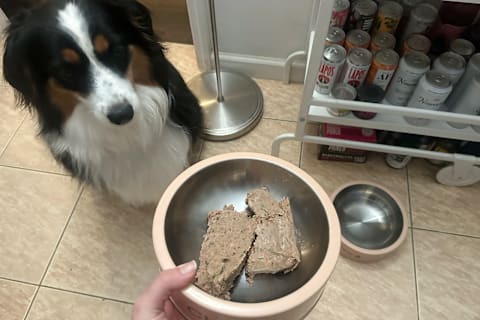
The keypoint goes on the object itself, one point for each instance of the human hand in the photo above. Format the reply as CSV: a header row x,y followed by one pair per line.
x,y
154,302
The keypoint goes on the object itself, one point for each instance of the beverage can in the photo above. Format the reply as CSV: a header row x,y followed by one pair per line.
x,y
335,35
382,40
356,67
332,61
339,13
383,67
472,69
431,92
452,64
342,91
399,161
411,68
388,17
357,39
416,42
468,102
462,47
445,146
362,15
369,93
420,20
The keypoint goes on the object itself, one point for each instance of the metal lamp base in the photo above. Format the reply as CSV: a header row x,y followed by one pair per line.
x,y
238,113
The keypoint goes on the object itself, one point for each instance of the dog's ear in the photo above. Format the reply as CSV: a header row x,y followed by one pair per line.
x,y
16,64
136,14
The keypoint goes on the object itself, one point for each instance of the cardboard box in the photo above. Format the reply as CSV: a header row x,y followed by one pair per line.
x,y
337,153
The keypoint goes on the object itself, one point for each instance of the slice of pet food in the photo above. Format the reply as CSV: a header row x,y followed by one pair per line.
x,y
275,247
224,250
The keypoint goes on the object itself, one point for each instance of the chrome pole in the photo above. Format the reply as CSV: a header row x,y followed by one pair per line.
x,y
213,23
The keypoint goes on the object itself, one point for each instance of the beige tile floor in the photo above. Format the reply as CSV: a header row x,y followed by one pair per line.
x,y
68,252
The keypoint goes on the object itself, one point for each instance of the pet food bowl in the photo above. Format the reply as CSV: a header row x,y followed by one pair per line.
x,y
373,222
181,221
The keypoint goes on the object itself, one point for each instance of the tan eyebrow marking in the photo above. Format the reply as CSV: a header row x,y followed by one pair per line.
x,y
70,55
100,43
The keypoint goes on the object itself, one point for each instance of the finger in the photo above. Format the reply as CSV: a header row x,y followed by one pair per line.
x,y
171,312
166,282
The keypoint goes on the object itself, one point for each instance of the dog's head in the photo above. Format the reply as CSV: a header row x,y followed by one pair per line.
x,y
90,54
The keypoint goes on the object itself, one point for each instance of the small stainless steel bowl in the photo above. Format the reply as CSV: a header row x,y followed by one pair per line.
x,y
181,221
373,222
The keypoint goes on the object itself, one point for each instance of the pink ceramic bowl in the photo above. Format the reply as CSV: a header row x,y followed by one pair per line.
x,y
180,222
372,220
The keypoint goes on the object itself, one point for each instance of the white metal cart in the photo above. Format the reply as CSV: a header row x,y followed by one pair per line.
x,y
313,109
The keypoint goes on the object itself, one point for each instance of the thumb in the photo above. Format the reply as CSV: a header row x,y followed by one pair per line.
x,y
167,282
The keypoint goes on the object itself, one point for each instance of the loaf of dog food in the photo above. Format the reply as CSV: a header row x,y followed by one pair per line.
x,y
275,247
225,246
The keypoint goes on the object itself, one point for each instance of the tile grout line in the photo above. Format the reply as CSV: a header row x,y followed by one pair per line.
x,y
35,170
282,120
34,296
446,233
27,312
9,141
87,294
414,260
18,281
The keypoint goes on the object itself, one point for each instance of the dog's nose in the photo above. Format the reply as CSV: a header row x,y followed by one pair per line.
x,y
120,114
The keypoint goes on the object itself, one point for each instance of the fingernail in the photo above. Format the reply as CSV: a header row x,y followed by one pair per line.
x,y
188,267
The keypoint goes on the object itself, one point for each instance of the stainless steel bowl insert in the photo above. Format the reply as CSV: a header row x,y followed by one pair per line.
x,y
369,217
228,183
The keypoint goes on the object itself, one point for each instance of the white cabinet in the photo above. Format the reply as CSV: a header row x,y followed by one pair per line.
x,y
314,109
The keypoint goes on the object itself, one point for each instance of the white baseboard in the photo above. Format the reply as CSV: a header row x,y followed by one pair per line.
x,y
263,67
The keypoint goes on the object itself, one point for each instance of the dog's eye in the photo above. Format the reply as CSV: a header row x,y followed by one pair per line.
x,y
66,75
119,50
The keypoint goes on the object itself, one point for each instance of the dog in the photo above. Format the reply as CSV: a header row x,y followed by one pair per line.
x,y
110,106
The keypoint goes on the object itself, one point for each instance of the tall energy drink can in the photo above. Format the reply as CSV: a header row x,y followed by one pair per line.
x,y
335,35
339,13
451,64
388,17
382,40
462,47
383,66
362,15
431,92
357,39
420,20
416,42
356,67
471,71
468,102
411,68
344,92
333,60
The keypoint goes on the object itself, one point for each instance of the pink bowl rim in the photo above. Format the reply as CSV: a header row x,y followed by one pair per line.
x,y
372,253
261,309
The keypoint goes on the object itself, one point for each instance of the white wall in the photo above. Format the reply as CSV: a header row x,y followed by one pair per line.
x,y
255,37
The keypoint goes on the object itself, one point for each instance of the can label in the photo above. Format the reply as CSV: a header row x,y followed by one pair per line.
x,y
428,95
380,74
386,24
339,18
327,76
403,83
355,75
388,17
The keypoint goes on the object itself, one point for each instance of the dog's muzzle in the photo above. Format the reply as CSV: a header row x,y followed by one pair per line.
x,y
120,114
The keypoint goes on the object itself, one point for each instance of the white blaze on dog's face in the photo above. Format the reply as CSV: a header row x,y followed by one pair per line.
x,y
116,71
